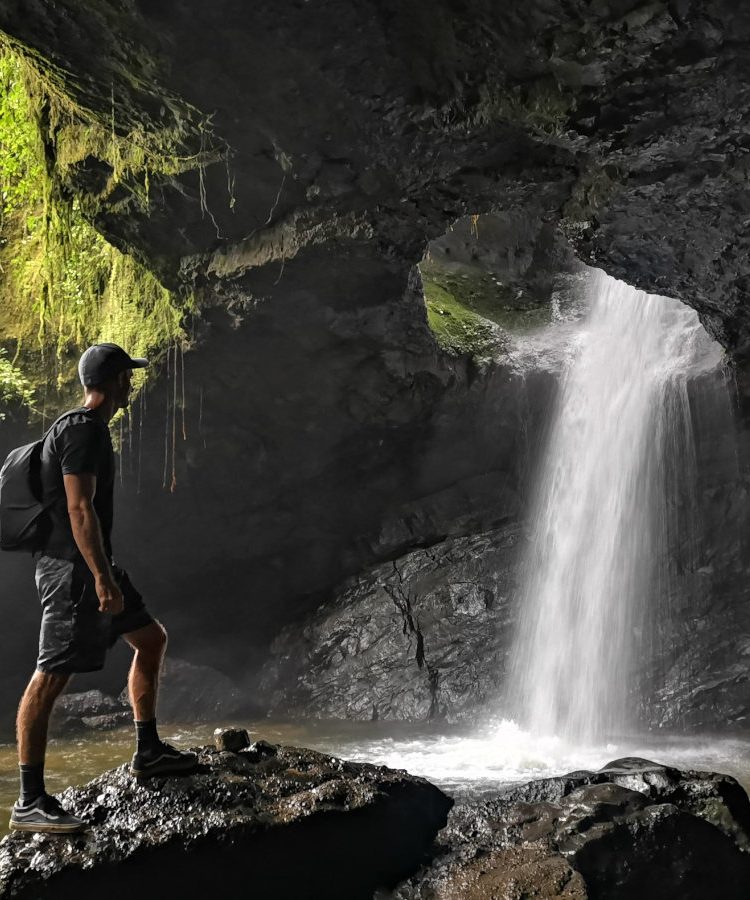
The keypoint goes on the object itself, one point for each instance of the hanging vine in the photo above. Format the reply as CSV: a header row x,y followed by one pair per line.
x,y
62,285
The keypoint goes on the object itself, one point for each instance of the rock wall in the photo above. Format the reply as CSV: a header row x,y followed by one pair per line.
x,y
427,636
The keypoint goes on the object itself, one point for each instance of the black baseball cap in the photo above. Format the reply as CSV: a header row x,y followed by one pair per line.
x,y
104,361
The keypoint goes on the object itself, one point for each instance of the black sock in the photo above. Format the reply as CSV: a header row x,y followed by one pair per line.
x,y
146,736
32,782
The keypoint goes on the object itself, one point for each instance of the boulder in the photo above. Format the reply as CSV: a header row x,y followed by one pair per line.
x,y
90,709
231,739
194,693
87,703
634,830
287,823
423,637
108,721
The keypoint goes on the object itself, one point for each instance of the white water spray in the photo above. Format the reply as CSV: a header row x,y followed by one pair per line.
x,y
604,507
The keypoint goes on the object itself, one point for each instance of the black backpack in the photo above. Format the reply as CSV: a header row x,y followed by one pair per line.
x,y
24,523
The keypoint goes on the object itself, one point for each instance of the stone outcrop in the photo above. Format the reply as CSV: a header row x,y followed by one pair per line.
x,y
272,821
634,830
424,637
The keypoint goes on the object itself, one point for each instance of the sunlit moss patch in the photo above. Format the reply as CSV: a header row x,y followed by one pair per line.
x,y
62,285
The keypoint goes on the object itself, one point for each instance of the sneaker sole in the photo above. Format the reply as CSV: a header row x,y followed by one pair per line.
x,y
50,828
165,769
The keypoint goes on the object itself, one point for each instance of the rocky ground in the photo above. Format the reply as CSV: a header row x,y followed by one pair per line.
x,y
424,637
286,822
275,821
634,830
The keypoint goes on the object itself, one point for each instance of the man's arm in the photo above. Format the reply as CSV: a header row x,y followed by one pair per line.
x,y
79,491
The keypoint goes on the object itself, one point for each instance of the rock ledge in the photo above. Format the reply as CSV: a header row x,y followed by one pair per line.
x,y
287,822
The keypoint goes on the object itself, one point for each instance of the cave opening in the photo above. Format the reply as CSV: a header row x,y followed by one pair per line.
x,y
510,292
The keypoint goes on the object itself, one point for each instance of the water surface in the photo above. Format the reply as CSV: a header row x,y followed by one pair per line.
x,y
466,763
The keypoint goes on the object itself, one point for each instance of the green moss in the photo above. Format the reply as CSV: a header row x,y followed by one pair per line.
x,y
471,300
62,286
15,388
457,328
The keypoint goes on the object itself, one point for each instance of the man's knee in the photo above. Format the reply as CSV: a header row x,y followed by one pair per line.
x,y
150,641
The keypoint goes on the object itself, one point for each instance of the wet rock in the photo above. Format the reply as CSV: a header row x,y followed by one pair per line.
x,y
108,721
193,693
634,830
260,749
93,709
231,739
87,703
296,824
423,637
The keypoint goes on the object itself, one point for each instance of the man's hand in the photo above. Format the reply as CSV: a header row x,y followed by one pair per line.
x,y
109,594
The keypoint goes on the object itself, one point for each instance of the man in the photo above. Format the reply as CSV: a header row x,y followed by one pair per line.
x,y
87,601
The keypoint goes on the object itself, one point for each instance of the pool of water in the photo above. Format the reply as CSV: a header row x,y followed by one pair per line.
x,y
466,763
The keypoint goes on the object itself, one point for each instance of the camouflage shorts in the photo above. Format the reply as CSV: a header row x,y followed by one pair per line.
x,y
75,636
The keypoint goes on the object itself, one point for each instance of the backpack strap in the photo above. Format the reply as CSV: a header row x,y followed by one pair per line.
x,y
70,412
59,419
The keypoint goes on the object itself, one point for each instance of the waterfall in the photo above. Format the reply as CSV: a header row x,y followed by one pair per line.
x,y
615,484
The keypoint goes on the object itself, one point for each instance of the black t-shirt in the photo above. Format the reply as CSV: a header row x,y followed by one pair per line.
x,y
79,444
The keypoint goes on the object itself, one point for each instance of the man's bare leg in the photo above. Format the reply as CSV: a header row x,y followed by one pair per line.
x,y
31,729
152,756
149,645
33,715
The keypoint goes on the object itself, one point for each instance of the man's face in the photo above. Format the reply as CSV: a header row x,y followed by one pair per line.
x,y
124,388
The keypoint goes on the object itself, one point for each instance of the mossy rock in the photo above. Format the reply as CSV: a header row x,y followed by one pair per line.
x,y
63,286
468,310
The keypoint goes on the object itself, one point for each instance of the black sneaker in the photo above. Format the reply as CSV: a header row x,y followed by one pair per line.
x,y
164,761
45,814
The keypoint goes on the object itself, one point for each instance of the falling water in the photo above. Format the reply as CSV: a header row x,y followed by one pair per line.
x,y
613,486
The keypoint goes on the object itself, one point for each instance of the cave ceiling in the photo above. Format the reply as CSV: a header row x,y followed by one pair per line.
x,y
340,123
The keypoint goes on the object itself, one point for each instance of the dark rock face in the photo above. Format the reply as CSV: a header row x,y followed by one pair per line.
x,y
286,822
421,638
350,451
632,830
191,693
697,675
384,122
